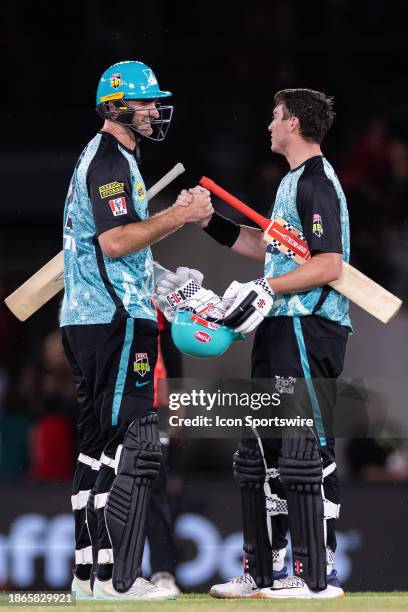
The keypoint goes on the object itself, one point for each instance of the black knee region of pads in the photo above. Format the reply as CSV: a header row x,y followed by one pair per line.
x,y
301,474
249,472
92,525
84,480
125,511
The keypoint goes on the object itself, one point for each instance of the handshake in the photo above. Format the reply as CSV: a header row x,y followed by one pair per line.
x,y
194,206
242,307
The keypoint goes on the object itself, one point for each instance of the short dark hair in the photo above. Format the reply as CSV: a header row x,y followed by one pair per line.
x,y
313,109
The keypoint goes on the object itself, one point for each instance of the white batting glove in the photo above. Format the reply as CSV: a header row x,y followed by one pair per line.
x,y
183,289
166,281
159,273
247,304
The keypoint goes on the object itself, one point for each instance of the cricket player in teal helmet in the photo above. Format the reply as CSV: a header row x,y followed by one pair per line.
x,y
128,93
109,333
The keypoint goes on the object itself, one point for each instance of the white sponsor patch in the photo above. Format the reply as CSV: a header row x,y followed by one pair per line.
x,y
118,207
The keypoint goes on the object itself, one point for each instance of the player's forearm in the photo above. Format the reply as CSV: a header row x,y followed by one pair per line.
x,y
317,272
133,237
250,243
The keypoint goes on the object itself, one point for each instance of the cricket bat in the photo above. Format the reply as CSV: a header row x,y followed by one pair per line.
x,y
357,287
49,280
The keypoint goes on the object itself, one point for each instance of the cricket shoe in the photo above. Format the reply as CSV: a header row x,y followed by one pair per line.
x,y
242,586
166,581
141,589
81,588
296,588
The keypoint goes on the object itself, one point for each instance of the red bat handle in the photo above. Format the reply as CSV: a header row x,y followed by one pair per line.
x,y
263,222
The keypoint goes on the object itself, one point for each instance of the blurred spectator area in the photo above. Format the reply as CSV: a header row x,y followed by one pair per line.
x,y
38,411
223,67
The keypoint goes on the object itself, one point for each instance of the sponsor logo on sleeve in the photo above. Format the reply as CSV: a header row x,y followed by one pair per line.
x,y
317,226
140,191
141,364
110,189
118,207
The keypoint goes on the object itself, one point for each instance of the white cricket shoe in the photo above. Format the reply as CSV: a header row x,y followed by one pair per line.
x,y
141,589
296,588
166,581
240,586
81,588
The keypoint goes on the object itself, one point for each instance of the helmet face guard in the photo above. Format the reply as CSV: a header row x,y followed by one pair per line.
x,y
131,80
198,336
123,114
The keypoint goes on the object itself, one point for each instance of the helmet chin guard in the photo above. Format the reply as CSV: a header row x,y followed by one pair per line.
x,y
197,335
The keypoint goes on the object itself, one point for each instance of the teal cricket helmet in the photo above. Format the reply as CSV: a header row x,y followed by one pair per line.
x,y
132,80
197,337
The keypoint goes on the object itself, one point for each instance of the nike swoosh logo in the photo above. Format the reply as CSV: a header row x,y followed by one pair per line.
x,y
142,384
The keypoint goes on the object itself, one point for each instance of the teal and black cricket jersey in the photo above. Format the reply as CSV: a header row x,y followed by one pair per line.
x,y
310,198
106,191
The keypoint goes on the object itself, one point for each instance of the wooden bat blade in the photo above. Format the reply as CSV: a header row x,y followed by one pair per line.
x,y
353,284
367,294
49,279
38,289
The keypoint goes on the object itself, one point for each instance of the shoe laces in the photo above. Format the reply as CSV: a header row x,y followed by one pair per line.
x,y
243,579
141,582
289,582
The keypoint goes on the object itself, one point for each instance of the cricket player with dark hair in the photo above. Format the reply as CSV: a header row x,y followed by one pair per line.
x,y
302,334
109,331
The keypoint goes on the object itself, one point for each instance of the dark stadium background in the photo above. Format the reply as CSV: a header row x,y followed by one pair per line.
x,y
223,62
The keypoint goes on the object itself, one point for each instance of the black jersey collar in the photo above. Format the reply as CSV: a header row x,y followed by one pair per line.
x,y
315,157
114,139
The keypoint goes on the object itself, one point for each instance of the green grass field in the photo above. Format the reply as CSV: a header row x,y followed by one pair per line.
x,y
363,602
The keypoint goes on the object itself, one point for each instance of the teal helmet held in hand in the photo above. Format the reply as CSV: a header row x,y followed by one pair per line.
x,y
195,336
132,80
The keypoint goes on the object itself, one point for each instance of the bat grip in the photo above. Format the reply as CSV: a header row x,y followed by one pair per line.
x,y
235,202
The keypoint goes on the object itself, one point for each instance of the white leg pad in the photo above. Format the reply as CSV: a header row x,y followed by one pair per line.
x,y
80,500
105,555
331,510
83,556
100,500
112,463
94,464
329,469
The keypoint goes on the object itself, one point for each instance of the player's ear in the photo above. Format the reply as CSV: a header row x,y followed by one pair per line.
x,y
113,109
294,124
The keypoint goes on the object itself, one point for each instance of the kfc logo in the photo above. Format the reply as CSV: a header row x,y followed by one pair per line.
x,y
118,207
